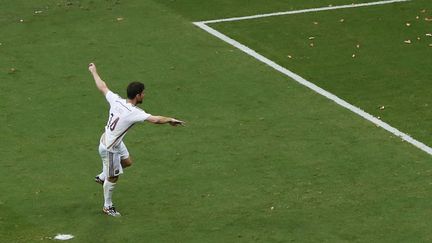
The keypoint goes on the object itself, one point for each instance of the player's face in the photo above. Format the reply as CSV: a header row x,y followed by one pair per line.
x,y
140,98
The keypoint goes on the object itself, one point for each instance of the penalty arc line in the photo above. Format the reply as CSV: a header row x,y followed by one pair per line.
x,y
315,88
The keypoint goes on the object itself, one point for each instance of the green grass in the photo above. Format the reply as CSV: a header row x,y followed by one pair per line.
x,y
385,71
262,159
196,10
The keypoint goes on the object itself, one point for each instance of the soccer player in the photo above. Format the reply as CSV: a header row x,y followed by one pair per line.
x,y
123,114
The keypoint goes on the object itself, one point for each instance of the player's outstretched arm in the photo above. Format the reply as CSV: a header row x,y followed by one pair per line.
x,y
164,120
100,84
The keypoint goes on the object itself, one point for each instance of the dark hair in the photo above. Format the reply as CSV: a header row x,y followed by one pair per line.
x,y
134,88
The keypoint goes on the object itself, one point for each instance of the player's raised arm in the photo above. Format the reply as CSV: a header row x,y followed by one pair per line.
x,y
100,84
164,120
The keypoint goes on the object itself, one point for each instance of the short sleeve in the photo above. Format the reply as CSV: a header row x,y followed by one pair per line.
x,y
141,116
111,97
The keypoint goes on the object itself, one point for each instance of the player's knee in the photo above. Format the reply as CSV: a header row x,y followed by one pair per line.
x,y
126,163
113,179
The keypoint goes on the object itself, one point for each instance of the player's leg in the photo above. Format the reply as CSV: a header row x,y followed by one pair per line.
x,y
126,160
100,178
108,188
112,170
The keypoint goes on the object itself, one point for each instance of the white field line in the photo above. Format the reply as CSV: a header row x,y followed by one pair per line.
x,y
315,88
302,11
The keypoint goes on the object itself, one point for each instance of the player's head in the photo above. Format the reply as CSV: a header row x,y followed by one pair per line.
x,y
135,90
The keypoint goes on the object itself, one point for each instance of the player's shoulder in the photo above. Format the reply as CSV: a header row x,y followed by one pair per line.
x,y
113,95
139,114
138,109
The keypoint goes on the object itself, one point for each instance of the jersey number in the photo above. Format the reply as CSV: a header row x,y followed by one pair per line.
x,y
113,124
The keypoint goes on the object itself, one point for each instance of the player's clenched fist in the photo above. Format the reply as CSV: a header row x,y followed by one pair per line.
x,y
92,67
174,122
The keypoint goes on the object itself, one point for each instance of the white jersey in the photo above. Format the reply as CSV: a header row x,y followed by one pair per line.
x,y
122,116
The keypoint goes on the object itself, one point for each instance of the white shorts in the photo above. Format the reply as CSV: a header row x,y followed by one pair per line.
x,y
111,159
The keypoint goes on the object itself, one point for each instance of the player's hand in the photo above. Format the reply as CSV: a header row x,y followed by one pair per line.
x,y
92,67
175,122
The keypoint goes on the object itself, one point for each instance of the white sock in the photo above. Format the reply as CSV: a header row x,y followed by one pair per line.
x,y
108,188
102,176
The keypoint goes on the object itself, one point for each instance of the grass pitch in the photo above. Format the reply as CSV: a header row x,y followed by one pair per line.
x,y
263,159
383,70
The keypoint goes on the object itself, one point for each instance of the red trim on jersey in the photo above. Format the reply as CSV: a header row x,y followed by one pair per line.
x,y
120,136
123,105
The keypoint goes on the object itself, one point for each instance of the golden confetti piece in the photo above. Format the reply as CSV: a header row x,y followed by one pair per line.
x,y
289,56
311,44
315,23
37,11
408,24
353,56
311,38
21,20
342,20
382,107
120,18
418,38
358,46
417,17
423,11
407,42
